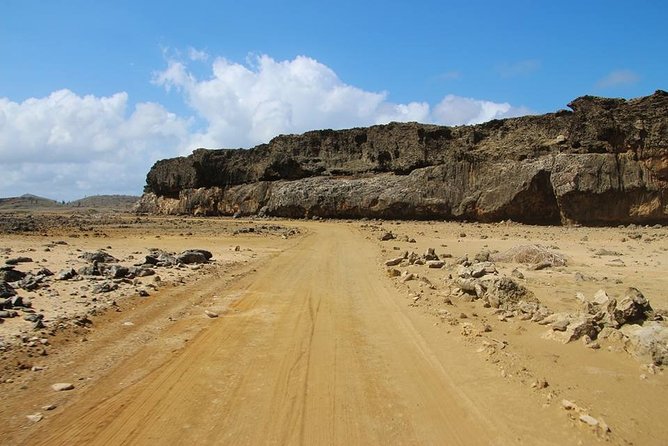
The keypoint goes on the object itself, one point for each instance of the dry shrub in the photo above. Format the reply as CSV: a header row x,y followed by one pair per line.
x,y
531,254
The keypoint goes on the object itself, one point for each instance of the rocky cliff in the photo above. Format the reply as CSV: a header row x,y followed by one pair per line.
x,y
603,162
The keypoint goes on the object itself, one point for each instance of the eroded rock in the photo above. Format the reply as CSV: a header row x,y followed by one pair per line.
x,y
552,168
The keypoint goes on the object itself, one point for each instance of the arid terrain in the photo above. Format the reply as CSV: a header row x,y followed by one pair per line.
x,y
330,332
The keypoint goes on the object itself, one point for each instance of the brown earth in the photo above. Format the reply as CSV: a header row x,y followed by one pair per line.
x,y
314,344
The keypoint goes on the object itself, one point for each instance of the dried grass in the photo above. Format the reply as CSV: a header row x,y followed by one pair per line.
x,y
530,254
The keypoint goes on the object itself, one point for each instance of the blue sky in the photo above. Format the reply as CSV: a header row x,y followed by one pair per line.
x,y
92,93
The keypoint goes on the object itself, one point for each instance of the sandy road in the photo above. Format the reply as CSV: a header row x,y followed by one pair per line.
x,y
316,350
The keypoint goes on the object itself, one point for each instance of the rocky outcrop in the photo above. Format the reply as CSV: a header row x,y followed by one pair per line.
x,y
604,162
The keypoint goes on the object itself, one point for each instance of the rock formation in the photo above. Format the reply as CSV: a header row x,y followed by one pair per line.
x,y
604,162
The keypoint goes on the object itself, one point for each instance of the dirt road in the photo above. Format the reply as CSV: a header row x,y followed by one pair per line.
x,y
318,349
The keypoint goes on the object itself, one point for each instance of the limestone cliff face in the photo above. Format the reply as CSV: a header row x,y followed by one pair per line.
x,y
604,162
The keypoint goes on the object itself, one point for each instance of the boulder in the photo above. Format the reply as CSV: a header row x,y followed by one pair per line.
x,y
89,270
482,269
507,294
142,271
9,274
31,282
115,271
647,342
6,290
633,308
571,328
44,272
66,274
191,256
98,256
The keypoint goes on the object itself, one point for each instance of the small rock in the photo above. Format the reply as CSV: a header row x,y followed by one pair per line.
x,y
568,405
211,314
560,325
49,407
18,260
393,272
36,417
66,274
540,384
387,236
588,419
435,264
482,256
394,262
59,387
430,255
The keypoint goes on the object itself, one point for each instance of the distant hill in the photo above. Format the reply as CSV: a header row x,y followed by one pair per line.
x,y
27,201
105,201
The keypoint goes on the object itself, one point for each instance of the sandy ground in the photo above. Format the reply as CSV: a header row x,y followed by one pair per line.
x,y
316,344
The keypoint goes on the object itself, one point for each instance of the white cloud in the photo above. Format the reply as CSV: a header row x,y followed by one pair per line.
x,y
243,105
617,78
460,110
65,145
68,145
248,104
197,55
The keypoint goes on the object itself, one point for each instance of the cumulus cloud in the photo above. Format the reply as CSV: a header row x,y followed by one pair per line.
x,y
618,78
68,145
197,55
243,105
460,110
246,104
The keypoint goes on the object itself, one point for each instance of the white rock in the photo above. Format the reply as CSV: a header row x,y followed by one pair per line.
x,y
35,417
59,387
601,298
568,405
588,419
